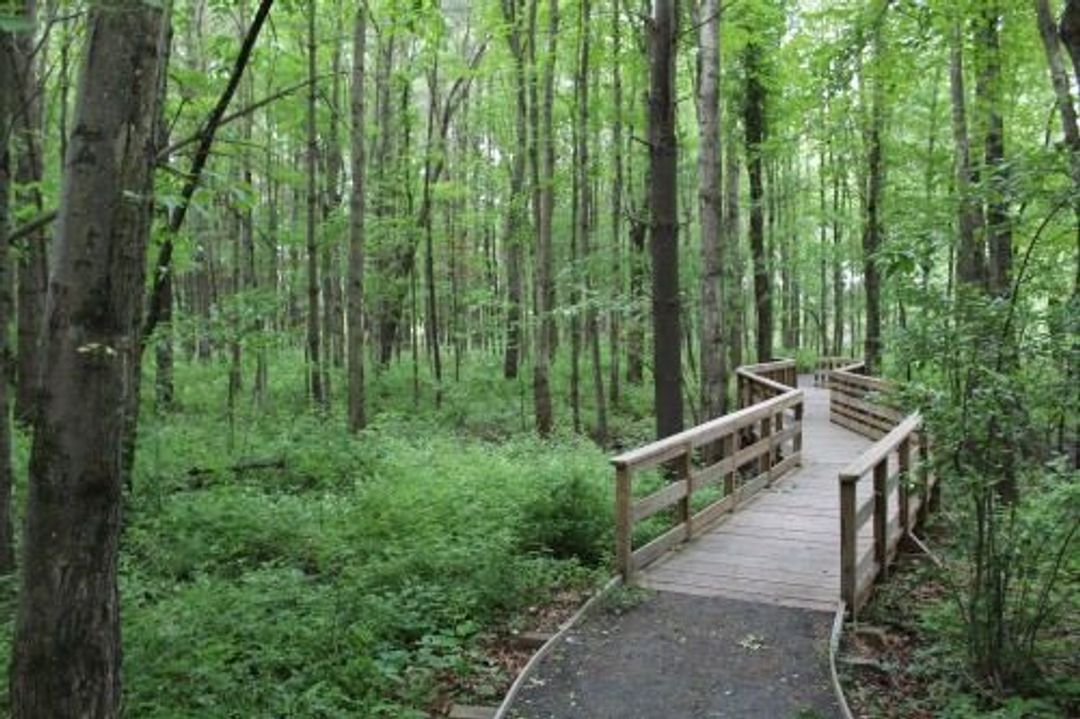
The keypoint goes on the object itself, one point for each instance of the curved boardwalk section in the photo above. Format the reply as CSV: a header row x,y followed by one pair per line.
x,y
783,545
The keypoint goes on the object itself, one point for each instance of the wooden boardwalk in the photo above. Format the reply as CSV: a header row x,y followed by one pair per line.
x,y
783,545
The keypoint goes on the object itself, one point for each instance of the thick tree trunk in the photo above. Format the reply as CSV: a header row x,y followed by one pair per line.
x,y
754,120
663,156
66,652
355,280
710,210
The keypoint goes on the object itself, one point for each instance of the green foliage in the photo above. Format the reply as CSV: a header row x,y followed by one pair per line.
x,y
574,518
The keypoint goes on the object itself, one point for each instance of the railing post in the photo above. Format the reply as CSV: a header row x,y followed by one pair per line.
x,y
881,516
848,553
797,444
624,525
902,489
766,457
728,449
685,473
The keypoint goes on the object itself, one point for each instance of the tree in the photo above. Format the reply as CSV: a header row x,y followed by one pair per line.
x,y
663,239
66,652
7,123
710,209
542,149
316,373
355,281
755,130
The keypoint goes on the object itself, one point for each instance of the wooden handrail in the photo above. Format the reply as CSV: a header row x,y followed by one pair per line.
x,y
746,450
855,401
889,463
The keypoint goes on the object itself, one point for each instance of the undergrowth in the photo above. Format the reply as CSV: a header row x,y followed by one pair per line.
x,y
274,565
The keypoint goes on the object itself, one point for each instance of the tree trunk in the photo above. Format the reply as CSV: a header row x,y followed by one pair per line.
x,y
710,209
663,156
872,229
970,264
514,219
543,146
592,326
615,315
355,286
27,91
998,215
66,652
733,295
754,119
8,101
315,369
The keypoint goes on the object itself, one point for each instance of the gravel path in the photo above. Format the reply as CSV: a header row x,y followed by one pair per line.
x,y
674,656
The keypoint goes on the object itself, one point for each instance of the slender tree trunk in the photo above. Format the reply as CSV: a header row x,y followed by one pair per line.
x,y
998,215
8,103
872,228
710,209
585,224
754,119
543,146
667,330
315,368
839,175
355,285
970,264
514,217
66,651
733,295
28,90
615,316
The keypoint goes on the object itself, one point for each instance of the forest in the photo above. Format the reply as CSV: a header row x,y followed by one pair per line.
x,y
322,319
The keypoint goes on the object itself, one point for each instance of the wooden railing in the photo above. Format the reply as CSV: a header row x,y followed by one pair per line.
x,y
741,452
828,364
759,382
862,404
910,489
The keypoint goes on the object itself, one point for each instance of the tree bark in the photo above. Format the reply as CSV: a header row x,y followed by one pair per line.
x,y
33,271
8,102
355,280
615,315
543,157
663,160
514,215
315,369
871,240
66,652
754,120
970,264
733,295
710,210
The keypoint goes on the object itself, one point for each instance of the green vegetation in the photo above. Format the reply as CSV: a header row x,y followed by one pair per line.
x,y
366,577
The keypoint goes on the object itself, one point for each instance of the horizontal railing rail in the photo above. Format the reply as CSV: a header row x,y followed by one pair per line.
x,y
740,453
862,403
897,483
